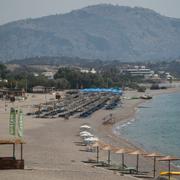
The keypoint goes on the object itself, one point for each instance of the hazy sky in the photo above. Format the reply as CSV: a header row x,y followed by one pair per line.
x,y
11,10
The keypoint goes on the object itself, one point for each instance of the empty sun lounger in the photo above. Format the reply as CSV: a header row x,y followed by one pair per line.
x,y
124,170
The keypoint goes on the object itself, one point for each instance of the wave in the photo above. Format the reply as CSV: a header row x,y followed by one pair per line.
x,y
118,127
150,125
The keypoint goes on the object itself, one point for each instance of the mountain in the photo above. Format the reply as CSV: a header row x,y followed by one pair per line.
x,y
96,32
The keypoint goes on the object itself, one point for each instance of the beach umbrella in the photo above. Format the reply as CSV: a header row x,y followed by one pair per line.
x,y
84,132
108,148
85,127
91,139
137,153
97,144
87,135
121,151
169,159
154,156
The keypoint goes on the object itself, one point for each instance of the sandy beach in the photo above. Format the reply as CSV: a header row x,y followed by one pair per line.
x,y
51,151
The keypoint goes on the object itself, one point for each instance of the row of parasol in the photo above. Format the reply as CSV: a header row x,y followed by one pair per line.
x,y
94,142
156,156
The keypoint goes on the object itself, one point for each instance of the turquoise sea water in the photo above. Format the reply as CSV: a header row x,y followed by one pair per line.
x,y
156,126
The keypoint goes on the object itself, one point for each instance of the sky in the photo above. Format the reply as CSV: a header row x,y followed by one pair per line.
x,y
11,10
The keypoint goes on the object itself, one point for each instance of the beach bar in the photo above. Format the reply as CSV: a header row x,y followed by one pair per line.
x,y
11,162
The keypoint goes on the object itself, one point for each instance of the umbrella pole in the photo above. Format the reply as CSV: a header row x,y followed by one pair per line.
x,y
169,169
97,154
137,167
123,160
109,157
154,167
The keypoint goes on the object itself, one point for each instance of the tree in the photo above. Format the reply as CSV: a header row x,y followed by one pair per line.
x,y
62,83
3,71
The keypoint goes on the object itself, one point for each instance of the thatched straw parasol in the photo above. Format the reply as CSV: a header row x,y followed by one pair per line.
x,y
154,155
97,144
121,151
108,148
169,159
137,153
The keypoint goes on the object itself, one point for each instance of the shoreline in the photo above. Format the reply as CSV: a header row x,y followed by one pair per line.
x,y
135,108
120,140
123,115
51,151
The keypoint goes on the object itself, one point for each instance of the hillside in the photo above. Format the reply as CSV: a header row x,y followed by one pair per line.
x,y
103,31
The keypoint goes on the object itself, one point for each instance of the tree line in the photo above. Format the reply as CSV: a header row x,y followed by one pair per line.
x,y
67,78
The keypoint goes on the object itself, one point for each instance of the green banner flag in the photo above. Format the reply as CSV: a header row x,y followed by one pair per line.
x,y
12,122
20,123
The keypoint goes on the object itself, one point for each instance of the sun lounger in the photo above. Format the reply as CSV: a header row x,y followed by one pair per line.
x,y
101,164
124,170
132,170
115,167
90,160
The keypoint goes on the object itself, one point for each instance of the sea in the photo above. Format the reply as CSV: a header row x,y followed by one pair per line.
x,y
156,125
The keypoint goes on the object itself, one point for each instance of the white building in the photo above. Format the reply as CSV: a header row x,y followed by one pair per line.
x,y
84,71
49,75
39,89
35,74
169,77
140,71
93,71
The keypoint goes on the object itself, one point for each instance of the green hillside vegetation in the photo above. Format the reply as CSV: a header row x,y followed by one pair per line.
x,y
68,78
102,31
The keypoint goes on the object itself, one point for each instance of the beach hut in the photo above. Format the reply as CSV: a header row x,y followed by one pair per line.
x,y
154,156
38,89
137,153
168,159
11,162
